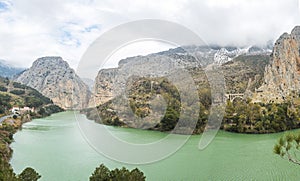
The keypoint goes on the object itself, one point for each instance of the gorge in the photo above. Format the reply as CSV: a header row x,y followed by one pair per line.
x,y
270,104
267,81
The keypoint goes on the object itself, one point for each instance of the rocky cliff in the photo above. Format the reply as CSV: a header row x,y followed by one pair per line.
x,y
54,78
242,67
148,97
282,76
102,91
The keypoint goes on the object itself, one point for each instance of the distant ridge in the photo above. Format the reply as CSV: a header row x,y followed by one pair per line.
x,y
7,70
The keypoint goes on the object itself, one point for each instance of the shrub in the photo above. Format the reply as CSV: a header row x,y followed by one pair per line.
x,y
3,89
17,92
18,85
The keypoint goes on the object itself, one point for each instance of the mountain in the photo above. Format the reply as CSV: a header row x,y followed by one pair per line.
x,y
241,66
54,78
271,81
282,76
243,71
226,54
7,70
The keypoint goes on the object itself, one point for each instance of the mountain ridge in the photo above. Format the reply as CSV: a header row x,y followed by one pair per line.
x,y
54,78
188,57
7,70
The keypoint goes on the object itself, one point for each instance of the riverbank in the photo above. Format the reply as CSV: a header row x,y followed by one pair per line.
x,y
8,127
239,117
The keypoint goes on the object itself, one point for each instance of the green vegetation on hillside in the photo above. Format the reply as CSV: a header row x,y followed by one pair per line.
x,y
5,104
6,172
243,68
18,95
241,116
246,117
139,104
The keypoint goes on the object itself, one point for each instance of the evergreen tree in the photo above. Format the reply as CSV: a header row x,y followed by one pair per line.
x,y
29,174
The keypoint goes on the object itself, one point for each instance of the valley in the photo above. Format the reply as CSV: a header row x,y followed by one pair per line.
x,y
261,97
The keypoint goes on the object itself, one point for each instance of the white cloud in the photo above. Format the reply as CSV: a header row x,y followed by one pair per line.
x,y
34,28
134,49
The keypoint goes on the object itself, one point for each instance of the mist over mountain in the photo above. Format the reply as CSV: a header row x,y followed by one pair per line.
x,y
240,64
259,77
7,70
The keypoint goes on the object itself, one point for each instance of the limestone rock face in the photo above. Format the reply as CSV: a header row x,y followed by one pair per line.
x,y
53,77
282,76
103,87
239,66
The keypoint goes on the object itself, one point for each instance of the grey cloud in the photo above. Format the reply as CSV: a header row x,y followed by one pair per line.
x,y
32,28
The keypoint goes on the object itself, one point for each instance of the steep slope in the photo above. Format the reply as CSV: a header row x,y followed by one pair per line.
x,y
273,80
9,71
243,73
103,87
54,78
282,76
14,94
240,66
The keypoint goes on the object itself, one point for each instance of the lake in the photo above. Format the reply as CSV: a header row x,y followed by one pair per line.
x,y
56,148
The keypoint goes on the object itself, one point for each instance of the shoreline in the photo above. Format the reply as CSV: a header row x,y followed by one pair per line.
x,y
7,132
199,133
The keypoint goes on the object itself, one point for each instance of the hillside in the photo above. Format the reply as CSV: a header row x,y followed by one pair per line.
x,y
244,72
13,94
29,104
195,59
268,86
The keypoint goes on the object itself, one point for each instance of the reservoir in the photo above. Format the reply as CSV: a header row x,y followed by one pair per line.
x,y
56,148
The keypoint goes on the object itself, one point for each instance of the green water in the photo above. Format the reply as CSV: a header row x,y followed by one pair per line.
x,y
55,147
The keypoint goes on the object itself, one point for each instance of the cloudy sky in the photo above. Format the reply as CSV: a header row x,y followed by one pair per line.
x,y
35,28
